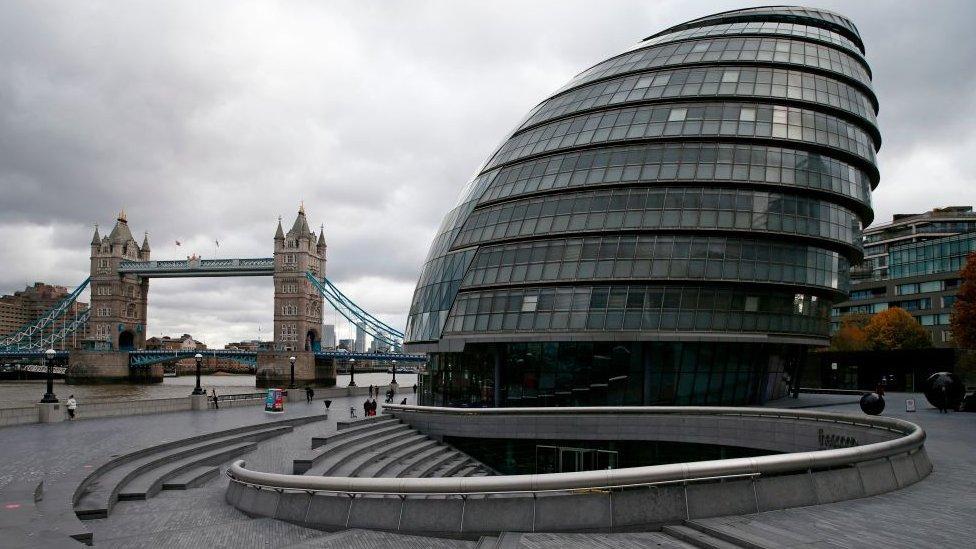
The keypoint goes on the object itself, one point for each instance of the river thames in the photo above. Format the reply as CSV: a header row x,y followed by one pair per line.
x,y
16,394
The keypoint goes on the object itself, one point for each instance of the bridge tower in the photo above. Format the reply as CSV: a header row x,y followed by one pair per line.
x,y
297,307
118,308
118,302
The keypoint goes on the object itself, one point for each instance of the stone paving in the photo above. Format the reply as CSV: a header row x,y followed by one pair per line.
x,y
940,511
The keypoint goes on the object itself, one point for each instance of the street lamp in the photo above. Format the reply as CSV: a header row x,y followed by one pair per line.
x,y
49,395
198,390
394,372
291,385
352,372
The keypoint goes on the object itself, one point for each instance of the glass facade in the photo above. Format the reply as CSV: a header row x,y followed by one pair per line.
x,y
670,227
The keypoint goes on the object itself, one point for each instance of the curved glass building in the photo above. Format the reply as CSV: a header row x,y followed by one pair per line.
x,y
670,227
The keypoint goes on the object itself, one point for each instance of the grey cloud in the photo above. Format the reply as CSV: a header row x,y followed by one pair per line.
x,y
207,121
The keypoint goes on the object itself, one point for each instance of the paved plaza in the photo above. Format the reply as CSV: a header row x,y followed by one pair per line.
x,y
937,512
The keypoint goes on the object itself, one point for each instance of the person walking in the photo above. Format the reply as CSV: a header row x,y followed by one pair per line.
x,y
309,394
370,390
72,406
366,408
213,395
944,401
414,388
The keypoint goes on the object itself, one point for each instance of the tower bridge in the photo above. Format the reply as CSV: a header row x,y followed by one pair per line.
x,y
113,329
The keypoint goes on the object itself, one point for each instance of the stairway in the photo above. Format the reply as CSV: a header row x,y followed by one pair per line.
x,y
382,446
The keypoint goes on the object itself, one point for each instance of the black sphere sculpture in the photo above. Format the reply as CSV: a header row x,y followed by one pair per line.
x,y
872,404
944,389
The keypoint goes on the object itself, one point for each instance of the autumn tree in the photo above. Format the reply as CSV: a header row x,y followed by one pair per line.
x,y
851,336
964,310
894,329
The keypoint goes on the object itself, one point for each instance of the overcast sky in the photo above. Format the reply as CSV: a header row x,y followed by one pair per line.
x,y
208,120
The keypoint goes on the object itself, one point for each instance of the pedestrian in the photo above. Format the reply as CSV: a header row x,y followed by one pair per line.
x,y
944,402
414,388
214,396
403,402
72,406
372,407
352,411
366,408
309,394
370,390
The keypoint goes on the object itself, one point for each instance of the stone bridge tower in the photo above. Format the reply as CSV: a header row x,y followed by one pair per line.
x,y
297,309
297,303
118,302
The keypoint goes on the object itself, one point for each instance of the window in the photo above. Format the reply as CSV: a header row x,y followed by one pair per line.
x,y
730,76
103,263
752,304
104,290
529,303
677,115
102,330
289,259
747,115
289,309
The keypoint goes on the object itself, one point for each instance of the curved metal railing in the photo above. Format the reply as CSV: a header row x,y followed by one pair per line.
x,y
911,437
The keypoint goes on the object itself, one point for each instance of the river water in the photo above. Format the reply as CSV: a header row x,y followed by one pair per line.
x,y
15,394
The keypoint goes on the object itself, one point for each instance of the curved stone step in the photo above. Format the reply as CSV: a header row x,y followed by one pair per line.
x,y
451,468
398,468
696,538
192,477
371,420
350,432
374,468
441,461
336,462
381,454
100,494
149,483
304,463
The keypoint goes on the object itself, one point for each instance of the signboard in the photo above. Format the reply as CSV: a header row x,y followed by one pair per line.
x,y
274,402
910,405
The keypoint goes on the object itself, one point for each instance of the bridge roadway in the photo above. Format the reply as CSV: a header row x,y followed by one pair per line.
x,y
194,268
144,358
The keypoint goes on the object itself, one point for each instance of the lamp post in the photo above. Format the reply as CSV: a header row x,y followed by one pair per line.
x,y
352,372
198,390
394,372
49,395
291,383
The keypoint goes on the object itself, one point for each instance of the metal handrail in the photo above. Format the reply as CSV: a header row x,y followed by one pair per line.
x,y
912,439
496,493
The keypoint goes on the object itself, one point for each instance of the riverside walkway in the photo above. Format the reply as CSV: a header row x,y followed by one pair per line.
x,y
936,512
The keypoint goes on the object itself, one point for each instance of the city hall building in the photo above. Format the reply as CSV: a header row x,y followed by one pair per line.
x,y
672,226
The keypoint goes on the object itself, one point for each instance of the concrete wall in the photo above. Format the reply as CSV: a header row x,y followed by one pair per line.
x,y
867,456
764,433
18,416
617,510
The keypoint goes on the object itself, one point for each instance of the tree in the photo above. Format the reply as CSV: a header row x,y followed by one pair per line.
x,y
851,335
964,310
894,329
